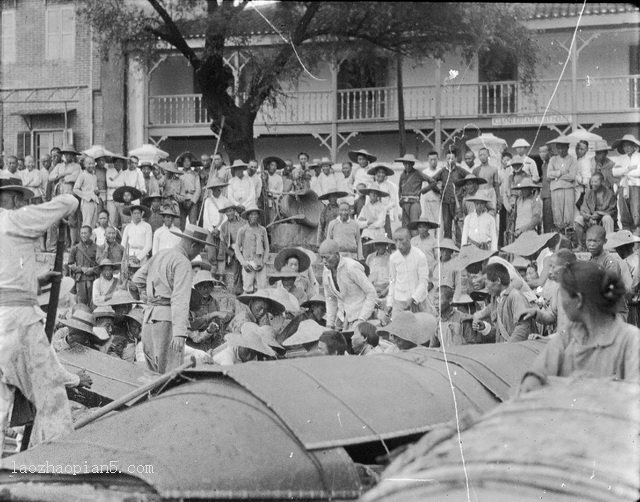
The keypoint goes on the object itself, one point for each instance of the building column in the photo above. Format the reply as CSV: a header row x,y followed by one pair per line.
x,y
137,132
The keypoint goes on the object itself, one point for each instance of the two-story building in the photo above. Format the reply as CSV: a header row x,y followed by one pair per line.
x,y
593,83
54,86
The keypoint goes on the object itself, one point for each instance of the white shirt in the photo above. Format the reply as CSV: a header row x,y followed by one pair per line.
x,y
326,183
44,176
584,172
140,239
275,184
530,167
391,203
241,191
627,166
163,238
371,220
480,229
114,180
98,236
134,179
360,176
430,195
408,276
256,179
32,180
100,288
211,215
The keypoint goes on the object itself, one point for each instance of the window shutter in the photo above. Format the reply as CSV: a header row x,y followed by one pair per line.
x,y
24,144
9,36
68,33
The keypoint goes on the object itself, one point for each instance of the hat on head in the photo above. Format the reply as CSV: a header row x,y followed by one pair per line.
x,y
146,212
15,185
198,262
150,198
617,144
447,244
560,140
325,161
118,193
251,209
282,274
304,261
250,338
520,262
337,193
106,262
268,160
136,314
308,331
520,142
69,148
193,233
97,152
461,299
370,190
470,255
230,206
413,225
517,161
122,297
405,325
528,243
238,164
374,168
315,300
470,177
600,145
478,197
204,276
168,211
353,155
103,311
217,183
480,294
275,306
268,335
407,157
525,183
329,246
382,240
620,238
80,320
170,167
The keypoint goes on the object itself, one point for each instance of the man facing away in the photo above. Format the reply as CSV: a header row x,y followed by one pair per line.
x,y
166,281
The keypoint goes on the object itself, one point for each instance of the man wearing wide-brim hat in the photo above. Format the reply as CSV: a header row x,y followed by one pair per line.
x,y
479,227
372,217
105,285
410,189
628,168
286,280
26,359
166,236
562,172
137,236
528,206
241,191
326,181
251,249
602,164
381,173
63,176
227,259
307,335
255,307
166,281
315,309
379,252
407,332
522,147
213,217
598,208
246,345
362,158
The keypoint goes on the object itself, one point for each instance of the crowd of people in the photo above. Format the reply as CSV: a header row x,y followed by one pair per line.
x,y
453,254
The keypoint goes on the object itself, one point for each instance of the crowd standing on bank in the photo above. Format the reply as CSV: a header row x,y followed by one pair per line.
x,y
169,260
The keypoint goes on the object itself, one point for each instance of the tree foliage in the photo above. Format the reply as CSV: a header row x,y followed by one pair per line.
x,y
290,34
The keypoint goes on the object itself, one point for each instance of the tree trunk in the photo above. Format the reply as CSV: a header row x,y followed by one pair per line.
x,y
237,136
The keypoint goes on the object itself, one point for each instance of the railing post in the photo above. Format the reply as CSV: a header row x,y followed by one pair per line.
x,y
438,111
334,67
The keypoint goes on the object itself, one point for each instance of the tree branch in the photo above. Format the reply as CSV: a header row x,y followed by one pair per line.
x,y
174,36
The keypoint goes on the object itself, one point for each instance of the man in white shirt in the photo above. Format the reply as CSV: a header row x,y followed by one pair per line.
x,y
408,276
530,167
138,234
105,285
240,191
98,234
628,167
430,200
133,177
163,238
114,180
31,178
213,218
255,177
363,159
327,181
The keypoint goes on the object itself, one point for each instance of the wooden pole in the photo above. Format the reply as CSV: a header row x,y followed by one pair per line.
x,y
54,295
401,126
438,112
114,405
574,88
211,168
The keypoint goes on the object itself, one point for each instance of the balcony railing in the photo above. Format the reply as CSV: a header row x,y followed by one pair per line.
x,y
612,94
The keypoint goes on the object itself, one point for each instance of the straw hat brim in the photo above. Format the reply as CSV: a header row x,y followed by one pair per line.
x,y
304,261
529,243
202,264
617,144
170,169
373,242
275,307
310,303
185,236
368,191
413,225
119,192
250,342
353,155
339,194
387,170
273,278
72,323
217,184
246,212
475,179
305,334
27,193
145,210
280,163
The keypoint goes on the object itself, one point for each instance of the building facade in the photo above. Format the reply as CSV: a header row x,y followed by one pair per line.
x,y
55,88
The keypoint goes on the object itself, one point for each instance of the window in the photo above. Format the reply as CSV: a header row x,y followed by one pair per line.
x,y
361,92
46,140
24,144
60,32
9,36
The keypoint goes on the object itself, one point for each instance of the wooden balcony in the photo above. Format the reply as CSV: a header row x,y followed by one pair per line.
x,y
610,96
